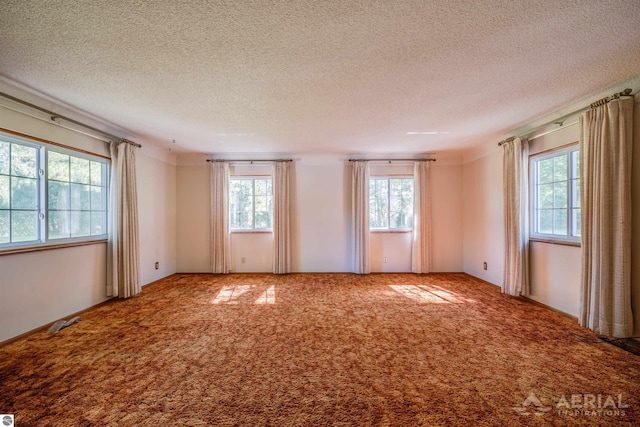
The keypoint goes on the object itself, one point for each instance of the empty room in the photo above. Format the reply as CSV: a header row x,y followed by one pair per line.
x,y
336,213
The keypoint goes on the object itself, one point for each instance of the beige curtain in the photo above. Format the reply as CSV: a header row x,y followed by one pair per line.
x,y
605,189
220,252
281,234
123,254
421,246
516,219
360,216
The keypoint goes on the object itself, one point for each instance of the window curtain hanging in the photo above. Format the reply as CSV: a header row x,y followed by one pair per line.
x,y
421,239
605,187
281,234
123,254
220,251
360,216
516,219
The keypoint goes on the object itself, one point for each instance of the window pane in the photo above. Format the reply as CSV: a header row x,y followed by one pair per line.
x,y
575,193
576,223
545,221
4,192
80,224
24,193
59,227
4,227
560,195
241,203
575,164
58,165
378,203
98,198
59,198
23,161
560,168
4,158
80,170
80,197
545,171
98,173
560,222
24,226
98,223
545,196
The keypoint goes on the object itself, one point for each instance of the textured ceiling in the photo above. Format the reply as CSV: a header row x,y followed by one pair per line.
x,y
320,76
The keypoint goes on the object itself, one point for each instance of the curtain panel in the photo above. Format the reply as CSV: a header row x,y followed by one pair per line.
x,y
281,218
123,253
220,251
605,189
516,217
360,216
421,239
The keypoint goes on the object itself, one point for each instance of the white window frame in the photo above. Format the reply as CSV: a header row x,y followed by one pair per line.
x,y
388,228
43,240
573,202
253,179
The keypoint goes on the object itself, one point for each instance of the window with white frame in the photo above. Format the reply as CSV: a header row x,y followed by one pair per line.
x,y
390,203
250,203
49,194
555,194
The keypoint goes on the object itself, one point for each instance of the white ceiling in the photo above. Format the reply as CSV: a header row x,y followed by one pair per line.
x,y
321,76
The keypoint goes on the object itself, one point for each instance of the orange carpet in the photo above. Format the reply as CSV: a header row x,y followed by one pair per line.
x,y
319,350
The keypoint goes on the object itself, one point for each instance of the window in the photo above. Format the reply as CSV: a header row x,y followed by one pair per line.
x,y
391,203
50,194
555,194
250,203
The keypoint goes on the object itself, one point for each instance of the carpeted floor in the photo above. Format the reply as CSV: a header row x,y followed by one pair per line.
x,y
319,350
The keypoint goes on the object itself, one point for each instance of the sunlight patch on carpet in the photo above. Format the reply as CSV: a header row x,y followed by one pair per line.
x,y
230,293
428,294
268,296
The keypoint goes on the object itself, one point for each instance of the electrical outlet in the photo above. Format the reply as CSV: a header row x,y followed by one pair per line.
x,y
242,260
484,265
386,260
157,265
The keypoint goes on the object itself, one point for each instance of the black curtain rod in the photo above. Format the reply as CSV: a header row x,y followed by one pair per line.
x,y
560,121
55,116
249,160
392,160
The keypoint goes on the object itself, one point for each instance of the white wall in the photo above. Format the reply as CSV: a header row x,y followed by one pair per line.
x,y
483,223
320,221
40,287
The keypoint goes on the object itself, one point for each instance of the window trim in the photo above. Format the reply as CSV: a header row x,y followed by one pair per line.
x,y
43,242
389,229
532,160
253,179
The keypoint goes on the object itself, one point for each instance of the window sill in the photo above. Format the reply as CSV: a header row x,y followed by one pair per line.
x,y
555,242
48,247
404,230
251,231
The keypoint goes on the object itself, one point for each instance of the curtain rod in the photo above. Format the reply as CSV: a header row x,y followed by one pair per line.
x,y
560,121
55,116
249,160
392,160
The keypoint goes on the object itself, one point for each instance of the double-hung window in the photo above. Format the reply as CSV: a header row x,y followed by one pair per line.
x,y
555,195
49,194
391,203
250,203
